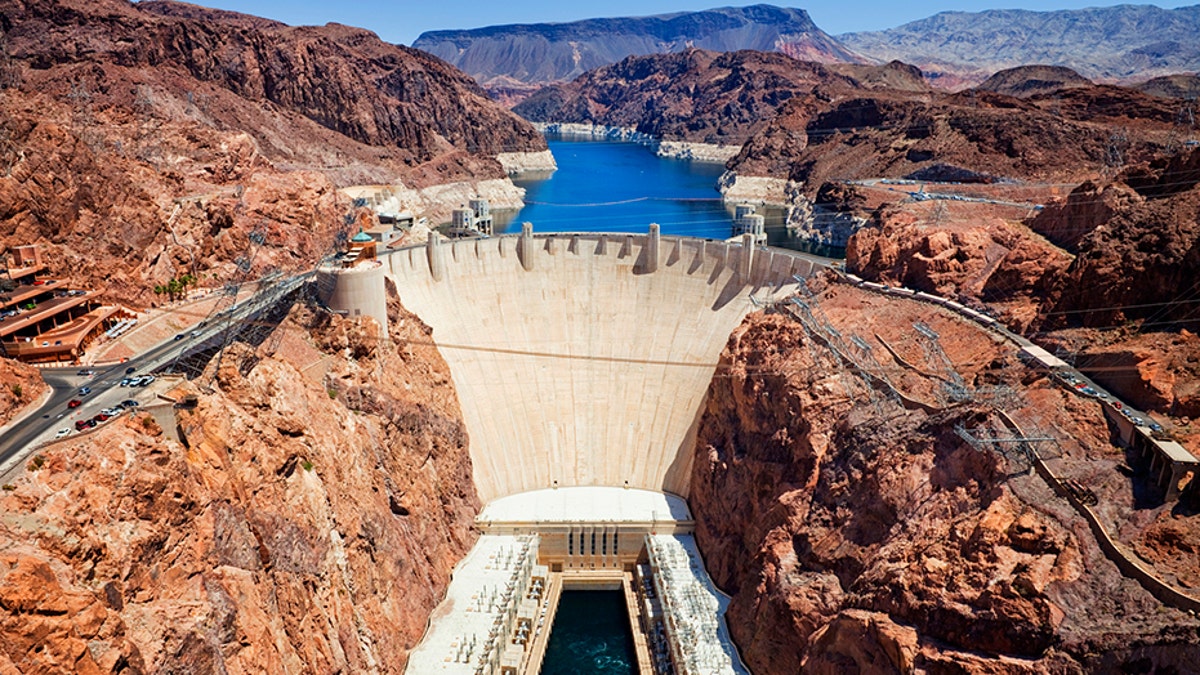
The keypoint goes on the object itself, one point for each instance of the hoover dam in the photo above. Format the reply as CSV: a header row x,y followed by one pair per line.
x,y
581,362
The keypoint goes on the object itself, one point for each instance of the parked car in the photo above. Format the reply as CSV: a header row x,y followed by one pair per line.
x,y
1088,391
101,418
74,403
129,403
1155,426
82,424
62,432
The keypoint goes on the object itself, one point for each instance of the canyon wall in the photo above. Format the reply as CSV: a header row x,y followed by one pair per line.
x,y
856,533
143,141
306,521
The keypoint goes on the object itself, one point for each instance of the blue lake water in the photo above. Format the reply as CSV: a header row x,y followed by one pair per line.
x,y
590,636
610,186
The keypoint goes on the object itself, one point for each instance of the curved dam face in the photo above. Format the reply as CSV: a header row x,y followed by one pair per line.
x,y
585,360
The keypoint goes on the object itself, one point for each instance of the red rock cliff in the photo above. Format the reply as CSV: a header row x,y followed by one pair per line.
x,y
141,142
307,521
860,535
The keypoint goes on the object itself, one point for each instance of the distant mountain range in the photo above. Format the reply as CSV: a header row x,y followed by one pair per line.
x,y
1126,43
528,54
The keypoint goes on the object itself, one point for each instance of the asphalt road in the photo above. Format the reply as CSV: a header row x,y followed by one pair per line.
x,y
105,383
65,385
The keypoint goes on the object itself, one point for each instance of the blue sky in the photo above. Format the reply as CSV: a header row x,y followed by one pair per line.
x,y
403,20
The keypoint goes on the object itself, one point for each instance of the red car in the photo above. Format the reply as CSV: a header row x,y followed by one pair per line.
x,y
81,425
100,418
74,403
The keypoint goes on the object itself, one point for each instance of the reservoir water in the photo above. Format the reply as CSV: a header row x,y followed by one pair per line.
x,y
590,636
612,186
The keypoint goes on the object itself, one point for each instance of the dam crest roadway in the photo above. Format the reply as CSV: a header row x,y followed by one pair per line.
x,y
582,364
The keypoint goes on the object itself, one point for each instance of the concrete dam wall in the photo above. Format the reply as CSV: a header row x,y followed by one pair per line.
x,y
585,359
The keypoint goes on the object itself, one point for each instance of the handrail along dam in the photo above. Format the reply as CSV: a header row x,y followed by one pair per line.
x,y
582,362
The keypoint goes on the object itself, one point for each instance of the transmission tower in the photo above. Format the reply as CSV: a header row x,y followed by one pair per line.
x,y
1019,451
1118,145
866,356
802,312
954,388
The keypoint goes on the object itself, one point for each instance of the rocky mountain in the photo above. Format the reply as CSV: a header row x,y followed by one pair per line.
x,y
142,141
1144,225
703,96
293,520
1121,43
869,537
854,134
1030,81
1173,86
533,54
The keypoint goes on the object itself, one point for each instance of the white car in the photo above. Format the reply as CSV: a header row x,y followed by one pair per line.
x,y
62,432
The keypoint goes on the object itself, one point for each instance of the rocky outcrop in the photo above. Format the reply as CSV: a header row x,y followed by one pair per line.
x,y
522,162
20,387
368,89
753,189
146,141
499,56
1089,206
1152,237
851,533
1184,86
1030,81
699,152
891,134
700,96
956,250
307,522
1126,42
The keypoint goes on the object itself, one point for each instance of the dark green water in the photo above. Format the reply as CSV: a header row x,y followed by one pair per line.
x,y
591,636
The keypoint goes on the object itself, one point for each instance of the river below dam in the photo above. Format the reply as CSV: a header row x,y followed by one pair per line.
x,y
590,636
619,186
